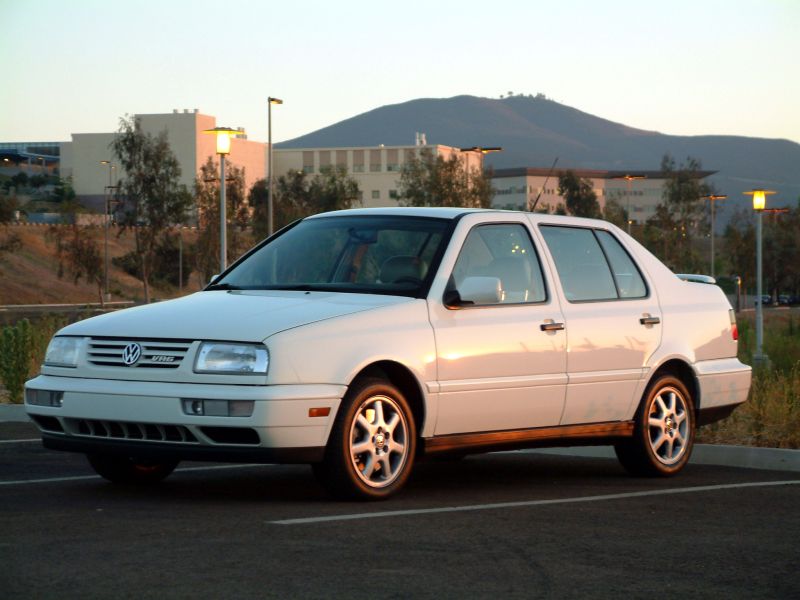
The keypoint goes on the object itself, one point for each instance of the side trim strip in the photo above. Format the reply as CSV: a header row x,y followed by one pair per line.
x,y
521,438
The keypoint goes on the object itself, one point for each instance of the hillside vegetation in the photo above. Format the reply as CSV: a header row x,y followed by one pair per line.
x,y
30,273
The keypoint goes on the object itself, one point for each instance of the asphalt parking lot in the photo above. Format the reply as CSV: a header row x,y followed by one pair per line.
x,y
511,525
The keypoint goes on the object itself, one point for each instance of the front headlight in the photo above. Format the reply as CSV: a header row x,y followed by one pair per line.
x,y
237,359
63,352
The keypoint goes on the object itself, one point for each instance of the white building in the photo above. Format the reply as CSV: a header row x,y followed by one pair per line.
x,y
375,168
638,192
81,158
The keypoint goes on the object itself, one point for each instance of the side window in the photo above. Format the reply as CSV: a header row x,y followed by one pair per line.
x,y
582,267
629,281
505,252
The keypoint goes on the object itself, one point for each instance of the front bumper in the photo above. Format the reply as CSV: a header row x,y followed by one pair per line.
x,y
143,417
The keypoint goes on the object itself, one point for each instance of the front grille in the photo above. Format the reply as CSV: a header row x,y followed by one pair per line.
x,y
155,354
123,430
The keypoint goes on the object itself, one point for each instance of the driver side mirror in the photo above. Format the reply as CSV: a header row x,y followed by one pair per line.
x,y
474,291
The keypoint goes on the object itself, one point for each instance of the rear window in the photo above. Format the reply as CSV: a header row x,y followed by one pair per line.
x,y
592,265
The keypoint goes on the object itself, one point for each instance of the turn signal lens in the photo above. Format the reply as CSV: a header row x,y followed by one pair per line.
x,y
319,412
734,327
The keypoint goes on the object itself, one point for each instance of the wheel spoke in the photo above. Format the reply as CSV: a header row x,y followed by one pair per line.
x,y
661,405
397,447
395,418
364,424
671,402
658,442
680,417
656,422
361,447
369,466
670,449
379,420
386,467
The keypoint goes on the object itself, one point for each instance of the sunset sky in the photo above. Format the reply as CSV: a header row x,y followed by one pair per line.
x,y
680,67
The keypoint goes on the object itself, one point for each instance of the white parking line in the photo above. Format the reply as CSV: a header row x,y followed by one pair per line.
x,y
20,441
525,503
88,477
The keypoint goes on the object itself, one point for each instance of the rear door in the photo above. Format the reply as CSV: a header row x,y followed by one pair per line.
x,y
612,321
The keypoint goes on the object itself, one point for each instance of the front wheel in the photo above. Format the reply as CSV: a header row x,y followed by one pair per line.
x,y
125,469
664,431
371,449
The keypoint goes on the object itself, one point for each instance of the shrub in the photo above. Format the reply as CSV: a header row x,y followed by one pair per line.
x,y
16,350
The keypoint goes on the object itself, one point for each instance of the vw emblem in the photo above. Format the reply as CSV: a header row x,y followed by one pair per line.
x,y
131,354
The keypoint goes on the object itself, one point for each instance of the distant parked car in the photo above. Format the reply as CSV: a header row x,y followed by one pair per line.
x,y
784,299
766,300
360,340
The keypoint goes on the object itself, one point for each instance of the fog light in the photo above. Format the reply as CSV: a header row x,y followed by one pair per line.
x,y
218,408
44,398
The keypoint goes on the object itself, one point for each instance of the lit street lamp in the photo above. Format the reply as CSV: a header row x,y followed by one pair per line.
x,y
712,198
628,177
271,182
759,204
224,135
110,189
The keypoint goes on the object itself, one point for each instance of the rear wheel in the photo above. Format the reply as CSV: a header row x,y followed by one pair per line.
x,y
125,469
664,432
371,449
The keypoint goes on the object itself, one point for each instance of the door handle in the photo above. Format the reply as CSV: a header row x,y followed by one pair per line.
x,y
648,320
551,326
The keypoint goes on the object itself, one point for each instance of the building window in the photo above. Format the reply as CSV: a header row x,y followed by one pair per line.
x,y
374,168
358,168
308,168
393,194
376,194
393,167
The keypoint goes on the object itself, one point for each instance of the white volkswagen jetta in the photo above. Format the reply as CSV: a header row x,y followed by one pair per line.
x,y
358,341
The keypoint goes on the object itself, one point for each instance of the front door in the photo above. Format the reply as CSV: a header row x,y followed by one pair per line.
x,y
498,368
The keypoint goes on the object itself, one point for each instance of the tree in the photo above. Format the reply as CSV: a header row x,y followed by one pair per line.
x,y
428,180
297,196
152,199
615,213
237,213
581,201
682,209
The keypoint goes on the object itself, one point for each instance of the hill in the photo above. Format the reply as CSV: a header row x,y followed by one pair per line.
x,y
30,275
534,131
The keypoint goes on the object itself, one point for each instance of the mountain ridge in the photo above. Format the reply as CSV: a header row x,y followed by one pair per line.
x,y
534,131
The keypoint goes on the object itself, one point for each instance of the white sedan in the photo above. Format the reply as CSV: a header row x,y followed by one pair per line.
x,y
359,341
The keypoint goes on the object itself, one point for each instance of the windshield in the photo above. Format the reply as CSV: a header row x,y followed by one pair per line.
x,y
361,254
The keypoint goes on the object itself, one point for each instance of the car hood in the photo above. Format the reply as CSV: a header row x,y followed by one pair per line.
x,y
246,316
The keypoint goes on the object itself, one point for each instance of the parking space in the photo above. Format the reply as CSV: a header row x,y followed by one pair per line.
x,y
517,524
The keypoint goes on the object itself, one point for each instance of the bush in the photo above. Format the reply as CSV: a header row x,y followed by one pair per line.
x,y
22,349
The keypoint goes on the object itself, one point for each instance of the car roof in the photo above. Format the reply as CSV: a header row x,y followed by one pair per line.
x,y
449,212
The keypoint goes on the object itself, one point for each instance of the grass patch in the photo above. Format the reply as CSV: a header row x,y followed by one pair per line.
x,y
771,415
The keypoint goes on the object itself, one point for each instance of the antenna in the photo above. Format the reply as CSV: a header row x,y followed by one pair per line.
x,y
535,202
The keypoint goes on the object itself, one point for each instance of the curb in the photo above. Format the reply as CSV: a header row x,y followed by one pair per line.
x,y
14,413
743,457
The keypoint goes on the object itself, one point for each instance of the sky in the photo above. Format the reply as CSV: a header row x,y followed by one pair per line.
x,y
679,67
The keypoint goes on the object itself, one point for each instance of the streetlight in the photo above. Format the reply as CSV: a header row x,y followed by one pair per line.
x,y
224,135
712,198
759,204
270,187
110,189
628,177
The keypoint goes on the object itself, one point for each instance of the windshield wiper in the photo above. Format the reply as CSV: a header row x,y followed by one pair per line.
x,y
222,286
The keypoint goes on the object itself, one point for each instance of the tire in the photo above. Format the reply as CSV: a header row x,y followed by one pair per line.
x,y
373,441
125,469
663,435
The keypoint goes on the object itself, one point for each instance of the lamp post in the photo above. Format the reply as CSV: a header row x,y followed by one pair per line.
x,y
628,177
110,189
711,198
759,204
223,135
270,187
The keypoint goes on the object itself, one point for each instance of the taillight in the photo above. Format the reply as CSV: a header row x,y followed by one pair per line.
x,y
734,327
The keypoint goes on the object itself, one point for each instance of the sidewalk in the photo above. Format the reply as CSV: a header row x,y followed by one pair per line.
x,y
746,457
